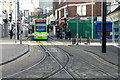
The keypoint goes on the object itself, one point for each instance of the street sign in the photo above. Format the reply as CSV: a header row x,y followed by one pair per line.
x,y
18,22
78,17
62,20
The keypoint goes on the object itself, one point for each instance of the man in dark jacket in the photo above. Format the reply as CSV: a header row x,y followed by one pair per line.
x,y
11,33
69,34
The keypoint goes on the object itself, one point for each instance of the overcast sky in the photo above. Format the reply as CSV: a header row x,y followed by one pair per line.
x,y
45,3
36,2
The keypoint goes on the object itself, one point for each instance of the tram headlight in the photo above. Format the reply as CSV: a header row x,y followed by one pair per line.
x,y
40,34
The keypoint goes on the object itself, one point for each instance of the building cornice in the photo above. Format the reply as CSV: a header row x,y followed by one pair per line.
x,y
69,5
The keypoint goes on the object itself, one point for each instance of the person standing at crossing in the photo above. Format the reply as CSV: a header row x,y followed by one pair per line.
x,y
11,33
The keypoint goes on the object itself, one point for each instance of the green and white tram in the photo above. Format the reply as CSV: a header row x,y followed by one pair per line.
x,y
40,29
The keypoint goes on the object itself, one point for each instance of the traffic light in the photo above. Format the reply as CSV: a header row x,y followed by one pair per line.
x,y
5,16
10,17
5,20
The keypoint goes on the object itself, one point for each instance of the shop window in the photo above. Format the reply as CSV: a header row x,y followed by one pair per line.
x,y
107,33
99,33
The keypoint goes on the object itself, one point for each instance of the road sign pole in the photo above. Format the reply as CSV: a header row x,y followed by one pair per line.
x,y
15,22
20,33
77,29
19,23
78,19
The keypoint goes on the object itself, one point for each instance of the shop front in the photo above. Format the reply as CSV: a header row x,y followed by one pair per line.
x,y
115,18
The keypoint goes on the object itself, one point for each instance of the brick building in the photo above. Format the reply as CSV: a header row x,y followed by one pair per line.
x,y
70,9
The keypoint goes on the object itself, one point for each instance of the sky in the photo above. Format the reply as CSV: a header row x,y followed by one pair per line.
x,y
43,3
25,2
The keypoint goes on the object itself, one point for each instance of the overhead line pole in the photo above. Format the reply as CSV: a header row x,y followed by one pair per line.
x,y
18,17
104,26
15,21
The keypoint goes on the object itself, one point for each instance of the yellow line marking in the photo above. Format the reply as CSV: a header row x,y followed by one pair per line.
x,y
101,60
21,58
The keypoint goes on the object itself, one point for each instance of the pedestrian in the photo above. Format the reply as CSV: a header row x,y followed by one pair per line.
x,y
11,33
69,34
14,31
61,33
58,33
66,35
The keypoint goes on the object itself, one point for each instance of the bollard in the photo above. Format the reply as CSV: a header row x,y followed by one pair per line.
x,y
80,39
88,40
100,39
73,40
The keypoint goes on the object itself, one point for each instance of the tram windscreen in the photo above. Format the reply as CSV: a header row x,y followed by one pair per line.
x,y
41,27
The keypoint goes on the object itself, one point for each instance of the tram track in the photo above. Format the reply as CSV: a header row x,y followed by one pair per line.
x,y
30,67
62,67
92,65
100,69
112,77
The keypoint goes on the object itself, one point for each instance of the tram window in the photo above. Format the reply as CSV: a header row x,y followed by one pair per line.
x,y
41,28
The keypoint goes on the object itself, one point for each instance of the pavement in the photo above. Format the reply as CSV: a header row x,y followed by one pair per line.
x,y
11,50
112,55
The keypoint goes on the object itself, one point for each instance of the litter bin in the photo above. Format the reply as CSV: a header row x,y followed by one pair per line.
x,y
73,40
88,40
100,40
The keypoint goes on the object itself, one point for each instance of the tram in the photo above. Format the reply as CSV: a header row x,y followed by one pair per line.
x,y
40,29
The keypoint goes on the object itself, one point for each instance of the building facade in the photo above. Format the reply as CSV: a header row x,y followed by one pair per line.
x,y
70,9
115,19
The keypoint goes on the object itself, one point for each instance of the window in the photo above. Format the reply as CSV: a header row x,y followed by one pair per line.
x,y
99,33
81,10
107,34
59,1
40,27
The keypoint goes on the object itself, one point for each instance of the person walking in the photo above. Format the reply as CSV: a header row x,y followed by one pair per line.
x,y
69,34
61,34
14,31
66,35
58,33
11,33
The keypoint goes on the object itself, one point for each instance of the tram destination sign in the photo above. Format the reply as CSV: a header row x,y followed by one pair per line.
x,y
40,20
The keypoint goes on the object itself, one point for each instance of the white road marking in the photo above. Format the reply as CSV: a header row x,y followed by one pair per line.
x,y
116,46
